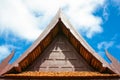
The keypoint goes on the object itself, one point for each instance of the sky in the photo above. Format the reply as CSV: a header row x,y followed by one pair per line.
x,y
22,21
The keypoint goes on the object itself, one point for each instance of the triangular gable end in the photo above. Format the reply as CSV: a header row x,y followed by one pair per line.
x,y
64,37
60,56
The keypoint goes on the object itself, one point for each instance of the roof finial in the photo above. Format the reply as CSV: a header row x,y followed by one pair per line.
x,y
111,58
59,13
59,10
115,64
5,62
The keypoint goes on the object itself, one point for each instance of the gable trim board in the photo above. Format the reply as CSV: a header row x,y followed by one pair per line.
x,y
59,24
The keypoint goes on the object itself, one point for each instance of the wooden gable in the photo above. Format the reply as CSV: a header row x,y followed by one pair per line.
x,y
59,49
60,55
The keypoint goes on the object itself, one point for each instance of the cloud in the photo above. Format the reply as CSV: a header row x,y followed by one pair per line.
x,y
16,19
105,12
81,15
105,45
4,52
26,19
102,46
6,49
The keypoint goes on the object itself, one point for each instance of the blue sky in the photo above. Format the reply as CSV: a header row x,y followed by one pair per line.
x,y
22,21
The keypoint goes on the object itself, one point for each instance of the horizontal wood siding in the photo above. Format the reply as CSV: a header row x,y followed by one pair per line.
x,y
81,49
40,48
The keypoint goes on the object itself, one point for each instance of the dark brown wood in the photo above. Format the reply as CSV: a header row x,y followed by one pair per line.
x,y
60,55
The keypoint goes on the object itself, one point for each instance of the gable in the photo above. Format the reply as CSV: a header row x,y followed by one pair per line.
x,y
60,25
60,55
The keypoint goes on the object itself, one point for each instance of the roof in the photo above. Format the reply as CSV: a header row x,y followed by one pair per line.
x,y
58,24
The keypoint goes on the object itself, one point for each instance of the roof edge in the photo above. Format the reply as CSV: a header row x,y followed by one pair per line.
x,y
114,65
81,39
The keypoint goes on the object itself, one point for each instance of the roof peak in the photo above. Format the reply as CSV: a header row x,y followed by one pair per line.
x,y
59,13
59,10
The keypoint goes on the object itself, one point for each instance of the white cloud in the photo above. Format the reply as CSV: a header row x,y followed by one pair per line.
x,y
6,49
15,17
105,12
18,16
102,46
81,14
105,45
4,52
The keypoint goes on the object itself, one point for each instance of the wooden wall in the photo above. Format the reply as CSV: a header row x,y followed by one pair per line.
x,y
71,38
38,49
82,50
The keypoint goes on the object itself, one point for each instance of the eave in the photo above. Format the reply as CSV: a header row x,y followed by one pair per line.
x,y
60,75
